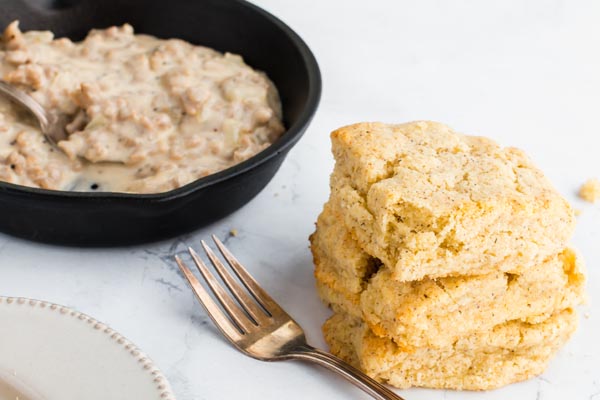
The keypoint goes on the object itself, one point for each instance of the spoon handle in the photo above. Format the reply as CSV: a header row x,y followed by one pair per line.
x,y
26,101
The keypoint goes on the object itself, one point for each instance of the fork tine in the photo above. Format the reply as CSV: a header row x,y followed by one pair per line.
x,y
231,332
261,296
233,310
247,303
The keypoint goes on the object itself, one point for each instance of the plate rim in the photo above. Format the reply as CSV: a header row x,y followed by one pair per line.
x,y
160,381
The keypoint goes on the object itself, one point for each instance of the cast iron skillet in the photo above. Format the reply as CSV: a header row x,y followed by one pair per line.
x,y
110,219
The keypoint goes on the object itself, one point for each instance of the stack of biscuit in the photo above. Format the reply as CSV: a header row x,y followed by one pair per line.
x,y
444,257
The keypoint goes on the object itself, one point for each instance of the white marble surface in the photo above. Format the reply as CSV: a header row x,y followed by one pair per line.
x,y
524,73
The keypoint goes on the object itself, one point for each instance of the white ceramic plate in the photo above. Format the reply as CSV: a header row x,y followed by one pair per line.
x,y
50,352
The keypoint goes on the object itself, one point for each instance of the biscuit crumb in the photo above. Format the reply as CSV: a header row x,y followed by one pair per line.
x,y
590,190
586,315
578,212
233,232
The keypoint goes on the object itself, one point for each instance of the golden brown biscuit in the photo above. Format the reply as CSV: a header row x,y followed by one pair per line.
x,y
444,257
417,314
510,352
428,201
420,313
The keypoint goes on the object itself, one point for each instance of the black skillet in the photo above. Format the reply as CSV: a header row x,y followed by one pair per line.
x,y
110,219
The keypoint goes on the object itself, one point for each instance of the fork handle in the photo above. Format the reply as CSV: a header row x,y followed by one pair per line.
x,y
348,372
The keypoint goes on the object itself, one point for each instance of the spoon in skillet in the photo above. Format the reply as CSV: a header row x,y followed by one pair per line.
x,y
52,124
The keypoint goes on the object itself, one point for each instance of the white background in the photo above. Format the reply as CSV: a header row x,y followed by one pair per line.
x,y
524,73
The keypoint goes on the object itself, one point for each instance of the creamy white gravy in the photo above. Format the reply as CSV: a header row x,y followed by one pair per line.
x,y
148,115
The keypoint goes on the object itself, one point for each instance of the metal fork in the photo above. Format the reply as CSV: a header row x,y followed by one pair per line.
x,y
51,124
257,326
